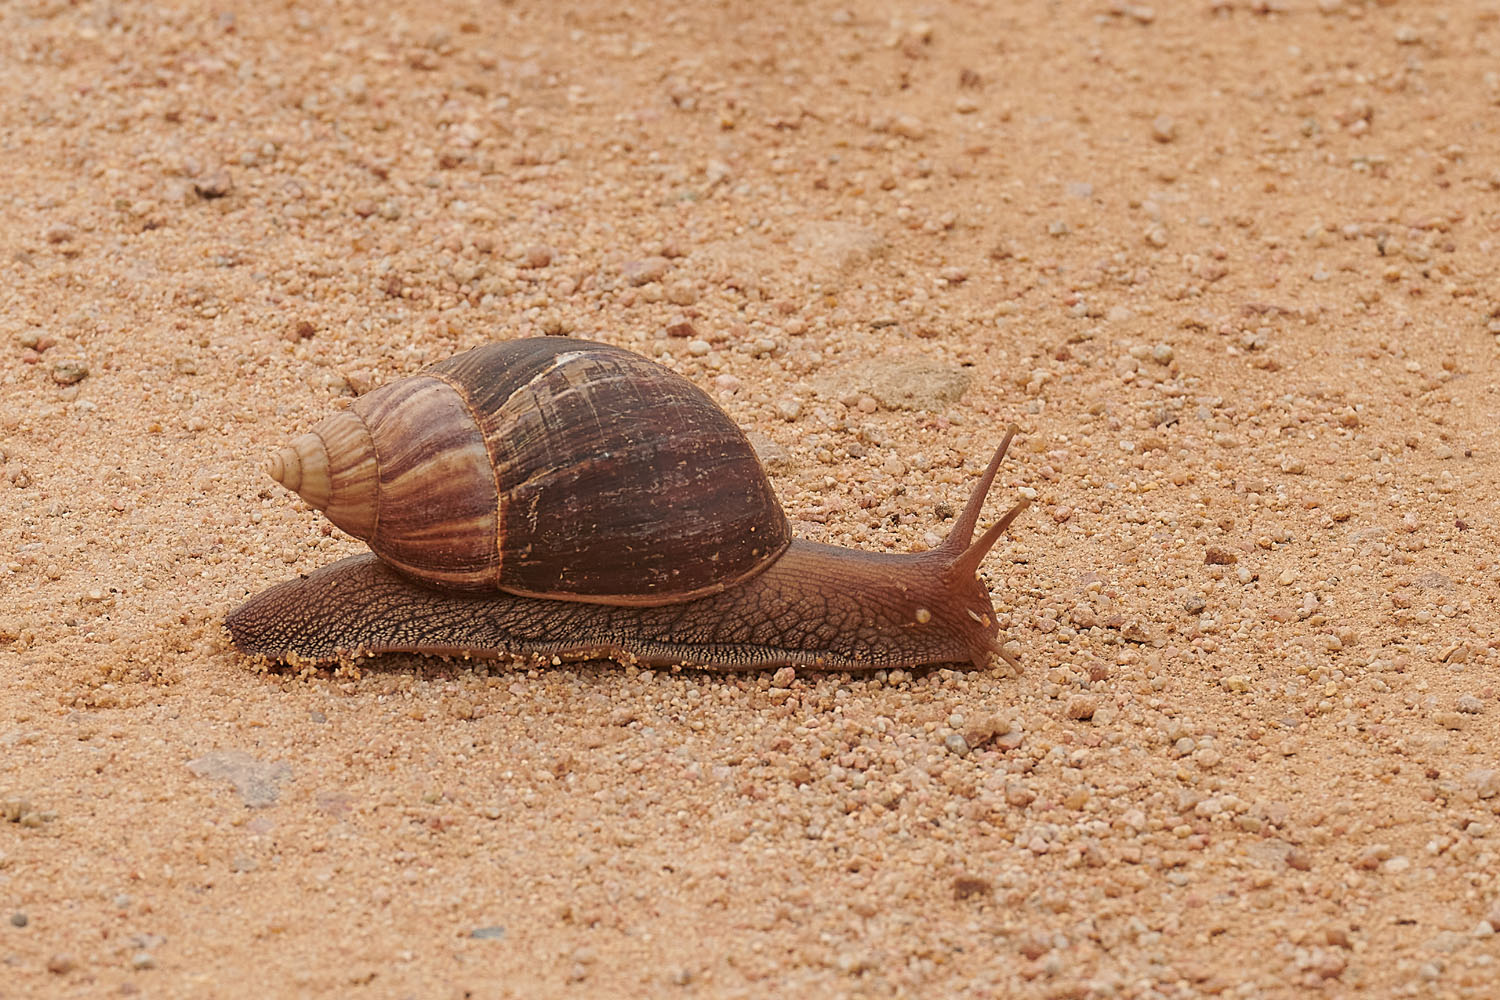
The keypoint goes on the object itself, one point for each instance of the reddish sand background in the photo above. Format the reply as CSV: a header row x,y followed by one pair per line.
x,y
1231,265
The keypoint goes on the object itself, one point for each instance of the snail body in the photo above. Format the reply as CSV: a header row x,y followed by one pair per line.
x,y
566,499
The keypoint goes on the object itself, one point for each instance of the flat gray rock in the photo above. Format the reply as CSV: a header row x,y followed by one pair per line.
x,y
901,383
826,248
257,781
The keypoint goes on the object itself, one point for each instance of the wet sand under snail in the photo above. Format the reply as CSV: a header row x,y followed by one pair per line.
x,y
1232,269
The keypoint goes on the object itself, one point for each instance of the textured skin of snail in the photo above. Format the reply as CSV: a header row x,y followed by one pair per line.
x,y
791,615
804,604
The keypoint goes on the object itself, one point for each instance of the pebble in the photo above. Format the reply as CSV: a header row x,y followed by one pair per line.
x,y
956,744
535,256
69,371
216,184
1082,707
773,457
1446,941
908,127
968,886
35,340
1163,128
1011,740
1485,781
61,964
981,731
493,932
22,811
19,919
644,271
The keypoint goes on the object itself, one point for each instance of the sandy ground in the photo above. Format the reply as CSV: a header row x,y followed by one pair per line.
x,y
1231,265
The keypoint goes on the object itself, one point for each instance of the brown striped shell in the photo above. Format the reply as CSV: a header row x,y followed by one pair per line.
x,y
545,467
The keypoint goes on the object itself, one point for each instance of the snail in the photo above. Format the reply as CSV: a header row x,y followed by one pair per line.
x,y
565,499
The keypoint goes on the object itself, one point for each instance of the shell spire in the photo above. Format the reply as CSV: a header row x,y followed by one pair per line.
x,y
333,468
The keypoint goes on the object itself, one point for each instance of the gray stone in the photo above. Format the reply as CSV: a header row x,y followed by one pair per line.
x,y
825,249
257,781
904,384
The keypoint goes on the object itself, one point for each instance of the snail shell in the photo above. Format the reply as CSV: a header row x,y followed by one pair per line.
x,y
545,467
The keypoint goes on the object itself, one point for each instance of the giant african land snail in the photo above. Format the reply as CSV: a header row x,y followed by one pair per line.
x,y
561,498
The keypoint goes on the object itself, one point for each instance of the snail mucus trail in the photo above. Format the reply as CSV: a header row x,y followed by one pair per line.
x,y
552,498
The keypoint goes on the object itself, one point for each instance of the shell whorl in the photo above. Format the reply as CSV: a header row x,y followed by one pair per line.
x,y
305,458
333,468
